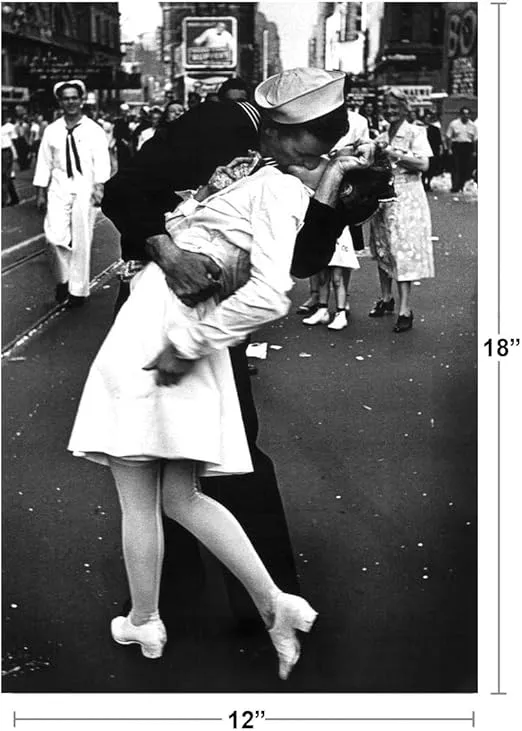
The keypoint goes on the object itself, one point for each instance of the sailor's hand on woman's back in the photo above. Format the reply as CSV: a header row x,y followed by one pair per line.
x,y
193,277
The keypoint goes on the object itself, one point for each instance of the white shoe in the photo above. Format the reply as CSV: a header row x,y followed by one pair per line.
x,y
152,635
339,321
291,613
320,317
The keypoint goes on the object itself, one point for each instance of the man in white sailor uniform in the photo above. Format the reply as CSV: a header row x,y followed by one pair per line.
x,y
72,166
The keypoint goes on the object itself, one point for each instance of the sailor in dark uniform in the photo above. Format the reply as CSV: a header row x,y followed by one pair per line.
x,y
184,155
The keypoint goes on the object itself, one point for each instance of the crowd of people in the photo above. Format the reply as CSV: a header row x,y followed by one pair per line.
x,y
399,234
209,249
454,150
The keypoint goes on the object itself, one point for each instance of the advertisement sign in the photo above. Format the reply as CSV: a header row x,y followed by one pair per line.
x,y
462,52
43,72
417,95
210,43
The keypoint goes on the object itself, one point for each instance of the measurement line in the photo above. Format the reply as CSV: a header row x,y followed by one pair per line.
x,y
498,172
470,719
499,306
499,532
499,477
17,719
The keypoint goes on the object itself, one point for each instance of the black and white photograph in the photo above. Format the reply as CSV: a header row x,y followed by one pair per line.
x,y
239,348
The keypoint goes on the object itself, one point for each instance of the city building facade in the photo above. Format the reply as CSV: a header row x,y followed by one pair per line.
x,y
267,56
43,43
346,37
411,50
345,42
192,58
317,42
142,57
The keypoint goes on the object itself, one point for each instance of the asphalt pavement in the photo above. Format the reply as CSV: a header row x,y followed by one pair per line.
x,y
374,439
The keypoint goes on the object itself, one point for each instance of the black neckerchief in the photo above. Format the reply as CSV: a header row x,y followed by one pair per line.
x,y
71,143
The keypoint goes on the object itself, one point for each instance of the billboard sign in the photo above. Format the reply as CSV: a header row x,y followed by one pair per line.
x,y
417,95
210,43
461,46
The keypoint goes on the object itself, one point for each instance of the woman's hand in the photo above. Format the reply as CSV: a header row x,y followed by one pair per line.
x,y
330,172
393,154
339,164
169,367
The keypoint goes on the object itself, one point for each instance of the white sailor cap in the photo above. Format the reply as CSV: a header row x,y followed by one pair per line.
x,y
74,82
300,95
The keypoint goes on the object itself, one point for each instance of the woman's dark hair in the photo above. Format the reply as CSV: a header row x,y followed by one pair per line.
x,y
329,128
363,189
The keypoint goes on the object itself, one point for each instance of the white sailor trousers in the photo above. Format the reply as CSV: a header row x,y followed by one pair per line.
x,y
68,228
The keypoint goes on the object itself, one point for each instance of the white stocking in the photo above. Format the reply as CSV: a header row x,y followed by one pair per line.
x,y
218,530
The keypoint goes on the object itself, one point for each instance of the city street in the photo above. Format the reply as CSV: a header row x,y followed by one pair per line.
x,y
374,439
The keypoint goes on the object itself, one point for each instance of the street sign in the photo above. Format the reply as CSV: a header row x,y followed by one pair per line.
x,y
210,43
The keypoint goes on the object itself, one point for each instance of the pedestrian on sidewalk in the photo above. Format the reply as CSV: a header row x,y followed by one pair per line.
x,y
434,135
400,231
22,141
148,133
38,126
73,164
123,136
173,110
337,276
9,155
151,434
461,140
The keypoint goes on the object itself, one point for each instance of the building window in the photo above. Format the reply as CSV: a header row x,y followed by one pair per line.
x,y
406,23
357,16
115,36
437,26
350,21
5,68
344,20
59,22
97,29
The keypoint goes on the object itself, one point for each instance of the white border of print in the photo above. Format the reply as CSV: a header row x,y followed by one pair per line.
x,y
497,703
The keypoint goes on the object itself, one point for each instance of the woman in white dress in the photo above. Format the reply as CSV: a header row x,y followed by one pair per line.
x,y
344,259
337,276
400,232
160,407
